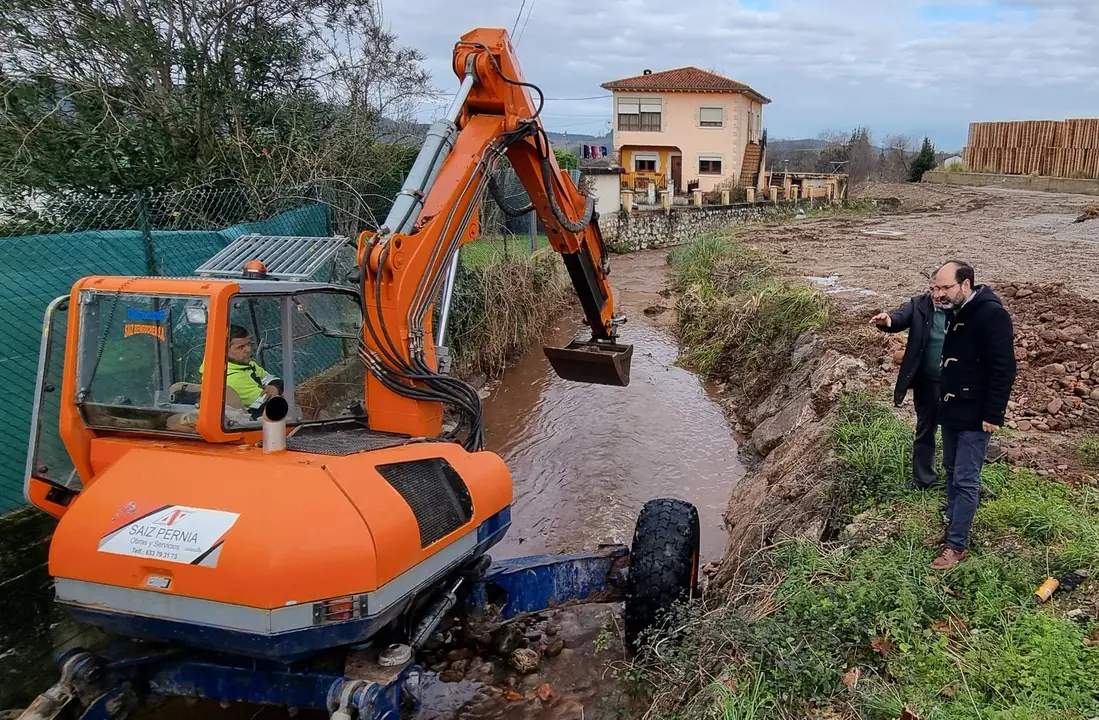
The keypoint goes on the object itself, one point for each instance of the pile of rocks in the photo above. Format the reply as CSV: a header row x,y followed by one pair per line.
x,y
488,654
1057,351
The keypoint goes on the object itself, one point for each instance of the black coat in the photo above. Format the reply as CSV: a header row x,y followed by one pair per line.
x,y
915,317
978,363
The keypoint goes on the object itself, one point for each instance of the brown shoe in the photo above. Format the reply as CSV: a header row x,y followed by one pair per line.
x,y
948,559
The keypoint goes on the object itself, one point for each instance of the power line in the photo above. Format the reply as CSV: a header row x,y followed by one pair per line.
x,y
525,21
589,123
569,115
517,16
590,97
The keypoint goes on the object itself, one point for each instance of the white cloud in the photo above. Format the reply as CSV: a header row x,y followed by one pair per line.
x,y
910,66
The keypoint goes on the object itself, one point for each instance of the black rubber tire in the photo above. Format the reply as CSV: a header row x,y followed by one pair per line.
x,y
663,563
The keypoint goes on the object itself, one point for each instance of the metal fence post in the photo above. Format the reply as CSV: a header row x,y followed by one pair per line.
x,y
146,231
533,231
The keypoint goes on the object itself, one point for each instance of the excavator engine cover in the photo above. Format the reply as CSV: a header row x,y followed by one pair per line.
x,y
592,361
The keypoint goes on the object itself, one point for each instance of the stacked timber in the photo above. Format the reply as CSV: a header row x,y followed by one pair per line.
x,y
1068,148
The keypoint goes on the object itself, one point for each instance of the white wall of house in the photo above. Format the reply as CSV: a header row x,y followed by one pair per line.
x,y
709,129
605,190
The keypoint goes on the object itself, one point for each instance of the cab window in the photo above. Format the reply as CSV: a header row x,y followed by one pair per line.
x,y
139,360
303,347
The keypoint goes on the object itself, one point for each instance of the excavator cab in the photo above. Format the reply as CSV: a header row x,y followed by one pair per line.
x,y
149,355
141,362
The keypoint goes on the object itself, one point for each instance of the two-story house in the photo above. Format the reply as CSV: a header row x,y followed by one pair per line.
x,y
686,128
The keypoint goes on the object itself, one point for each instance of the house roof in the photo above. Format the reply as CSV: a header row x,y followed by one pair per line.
x,y
686,79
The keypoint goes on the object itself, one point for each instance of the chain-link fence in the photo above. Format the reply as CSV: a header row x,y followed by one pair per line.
x,y
503,237
46,244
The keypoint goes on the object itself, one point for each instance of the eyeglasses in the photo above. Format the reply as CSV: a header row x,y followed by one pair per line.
x,y
942,288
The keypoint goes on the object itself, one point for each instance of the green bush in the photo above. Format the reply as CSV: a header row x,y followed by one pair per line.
x,y
923,162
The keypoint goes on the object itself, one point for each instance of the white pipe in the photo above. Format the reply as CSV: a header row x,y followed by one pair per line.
x,y
275,411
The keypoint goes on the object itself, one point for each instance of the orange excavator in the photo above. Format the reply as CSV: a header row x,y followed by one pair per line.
x,y
242,507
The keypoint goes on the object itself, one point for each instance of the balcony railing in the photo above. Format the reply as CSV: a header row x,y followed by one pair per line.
x,y
642,180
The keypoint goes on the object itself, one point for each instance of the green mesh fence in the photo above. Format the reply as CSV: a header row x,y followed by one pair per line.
x,y
46,244
37,265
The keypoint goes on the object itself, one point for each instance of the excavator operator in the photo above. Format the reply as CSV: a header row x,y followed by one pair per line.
x,y
244,375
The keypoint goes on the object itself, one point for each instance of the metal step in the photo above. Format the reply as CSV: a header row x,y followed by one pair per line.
x,y
287,257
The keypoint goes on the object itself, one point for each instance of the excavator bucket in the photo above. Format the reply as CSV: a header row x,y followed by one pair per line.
x,y
598,363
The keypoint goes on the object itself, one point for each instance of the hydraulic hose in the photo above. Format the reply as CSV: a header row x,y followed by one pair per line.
x,y
502,201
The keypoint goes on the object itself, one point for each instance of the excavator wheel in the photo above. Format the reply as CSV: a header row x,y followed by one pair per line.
x,y
663,563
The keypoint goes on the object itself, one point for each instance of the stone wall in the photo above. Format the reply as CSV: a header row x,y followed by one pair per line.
x,y
1078,186
642,229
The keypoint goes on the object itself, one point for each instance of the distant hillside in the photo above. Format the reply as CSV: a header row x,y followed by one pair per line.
x,y
415,132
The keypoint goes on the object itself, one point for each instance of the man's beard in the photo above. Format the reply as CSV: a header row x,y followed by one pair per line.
x,y
947,305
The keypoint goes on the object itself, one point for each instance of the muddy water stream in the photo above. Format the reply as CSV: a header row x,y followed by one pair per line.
x,y
585,458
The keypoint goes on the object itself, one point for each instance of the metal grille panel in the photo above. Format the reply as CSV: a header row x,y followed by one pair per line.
x,y
287,257
343,442
435,492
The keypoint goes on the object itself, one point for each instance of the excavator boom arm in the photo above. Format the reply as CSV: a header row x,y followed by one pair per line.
x,y
411,262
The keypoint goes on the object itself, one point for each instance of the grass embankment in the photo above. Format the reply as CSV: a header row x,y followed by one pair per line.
x,y
501,308
859,627
738,317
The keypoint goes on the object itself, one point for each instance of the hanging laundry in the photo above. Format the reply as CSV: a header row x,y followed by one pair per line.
x,y
584,151
603,149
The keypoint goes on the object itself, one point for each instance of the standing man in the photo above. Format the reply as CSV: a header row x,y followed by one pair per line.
x,y
978,371
926,326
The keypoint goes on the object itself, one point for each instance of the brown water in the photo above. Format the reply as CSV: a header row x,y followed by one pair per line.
x,y
585,458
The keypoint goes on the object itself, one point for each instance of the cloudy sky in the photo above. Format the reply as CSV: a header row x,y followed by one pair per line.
x,y
897,66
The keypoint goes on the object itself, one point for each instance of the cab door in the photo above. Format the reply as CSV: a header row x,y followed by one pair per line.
x,y
51,479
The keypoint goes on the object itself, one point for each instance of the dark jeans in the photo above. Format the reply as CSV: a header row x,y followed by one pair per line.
x,y
925,396
963,456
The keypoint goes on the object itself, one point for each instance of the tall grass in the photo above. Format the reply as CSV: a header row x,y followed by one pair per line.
x,y
501,308
969,644
738,317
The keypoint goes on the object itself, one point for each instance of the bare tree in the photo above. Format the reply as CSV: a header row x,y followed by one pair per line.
x,y
898,152
113,94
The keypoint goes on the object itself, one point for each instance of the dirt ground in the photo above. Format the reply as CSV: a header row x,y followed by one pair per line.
x,y
1028,245
1007,235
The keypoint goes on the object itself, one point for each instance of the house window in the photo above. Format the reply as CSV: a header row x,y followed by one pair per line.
x,y
640,115
709,165
644,163
711,117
